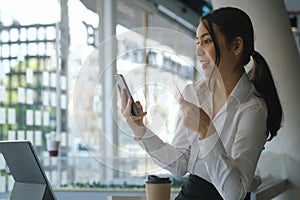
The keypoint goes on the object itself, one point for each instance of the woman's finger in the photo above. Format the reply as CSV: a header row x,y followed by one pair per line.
x,y
137,118
123,99
128,107
139,106
119,88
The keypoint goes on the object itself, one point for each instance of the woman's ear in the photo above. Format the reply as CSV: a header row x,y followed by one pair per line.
x,y
238,45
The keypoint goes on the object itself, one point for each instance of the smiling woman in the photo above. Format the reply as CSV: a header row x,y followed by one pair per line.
x,y
226,119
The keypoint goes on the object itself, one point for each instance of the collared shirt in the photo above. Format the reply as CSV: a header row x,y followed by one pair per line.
x,y
228,157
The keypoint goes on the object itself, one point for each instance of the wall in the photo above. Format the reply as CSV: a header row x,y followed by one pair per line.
x,y
274,40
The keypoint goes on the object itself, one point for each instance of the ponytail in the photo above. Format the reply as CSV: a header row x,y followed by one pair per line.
x,y
233,22
260,75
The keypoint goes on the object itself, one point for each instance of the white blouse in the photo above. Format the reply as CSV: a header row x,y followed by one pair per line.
x,y
228,157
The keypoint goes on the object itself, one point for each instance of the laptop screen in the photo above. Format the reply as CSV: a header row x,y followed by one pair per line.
x,y
25,167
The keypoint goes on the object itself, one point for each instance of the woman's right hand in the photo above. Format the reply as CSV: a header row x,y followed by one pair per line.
x,y
135,122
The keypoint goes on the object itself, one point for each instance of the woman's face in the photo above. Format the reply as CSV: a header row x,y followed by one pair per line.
x,y
205,50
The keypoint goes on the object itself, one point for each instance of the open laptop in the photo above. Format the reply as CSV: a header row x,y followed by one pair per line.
x,y
31,181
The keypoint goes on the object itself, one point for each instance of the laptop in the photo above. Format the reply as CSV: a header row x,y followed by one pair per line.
x,y
23,163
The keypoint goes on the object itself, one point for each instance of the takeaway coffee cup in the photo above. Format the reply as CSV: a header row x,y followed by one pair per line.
x,y
158,188
52,144
53,147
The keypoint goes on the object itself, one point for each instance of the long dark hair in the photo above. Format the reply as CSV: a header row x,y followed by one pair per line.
x,y
233,22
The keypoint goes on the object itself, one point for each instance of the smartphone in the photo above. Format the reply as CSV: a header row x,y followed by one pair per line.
x,y
123,85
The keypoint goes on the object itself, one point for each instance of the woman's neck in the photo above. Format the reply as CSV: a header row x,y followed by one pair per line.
x,y
222,88
230,81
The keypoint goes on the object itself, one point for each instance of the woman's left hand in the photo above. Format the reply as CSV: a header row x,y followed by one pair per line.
x,y
194,118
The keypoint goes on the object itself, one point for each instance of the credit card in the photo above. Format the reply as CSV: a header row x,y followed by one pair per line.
x,y
179,91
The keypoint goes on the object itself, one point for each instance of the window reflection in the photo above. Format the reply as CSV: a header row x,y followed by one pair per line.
x,y
153,62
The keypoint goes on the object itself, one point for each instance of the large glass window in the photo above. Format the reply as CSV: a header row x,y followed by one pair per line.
x,y
155,56
33,81
43,49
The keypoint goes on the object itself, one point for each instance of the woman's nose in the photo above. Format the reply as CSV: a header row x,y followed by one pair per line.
x,y
199,51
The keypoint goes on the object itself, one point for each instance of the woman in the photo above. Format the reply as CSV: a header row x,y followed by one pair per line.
x,y
219,140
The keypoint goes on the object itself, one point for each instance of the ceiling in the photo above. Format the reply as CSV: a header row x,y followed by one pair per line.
x,y
197,5
189,10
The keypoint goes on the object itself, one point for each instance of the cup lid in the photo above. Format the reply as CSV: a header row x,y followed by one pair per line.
x,y
156,179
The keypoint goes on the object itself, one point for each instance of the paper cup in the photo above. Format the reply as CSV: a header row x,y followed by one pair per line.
x,y
158,189
53,147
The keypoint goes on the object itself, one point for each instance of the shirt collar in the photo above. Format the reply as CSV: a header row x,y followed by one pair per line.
x,y
240,90
236,96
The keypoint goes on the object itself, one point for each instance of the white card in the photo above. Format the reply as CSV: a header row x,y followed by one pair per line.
x,y
21,95
2,116
63,82
12,135
29,76
45,78
38,138
46,118
2,184
11,183
29,95
2,72
63,141
53,79
63,102
45,95
29,136
29,117
21,135
2,93
2,162
38,118
11,116
64,178
53,99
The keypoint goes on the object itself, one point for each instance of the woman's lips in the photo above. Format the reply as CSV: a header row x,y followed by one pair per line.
x,y
205,64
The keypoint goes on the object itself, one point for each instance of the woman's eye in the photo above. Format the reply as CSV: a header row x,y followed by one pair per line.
x,y
207,41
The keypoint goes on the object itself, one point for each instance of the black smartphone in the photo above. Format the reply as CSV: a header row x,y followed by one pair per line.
x,y
123,85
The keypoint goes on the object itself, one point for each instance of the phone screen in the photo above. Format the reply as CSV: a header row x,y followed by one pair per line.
x,y
123,85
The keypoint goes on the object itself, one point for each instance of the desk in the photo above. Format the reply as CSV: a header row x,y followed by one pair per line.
x,y
4,196
126,198
133,197
81,195
96,195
